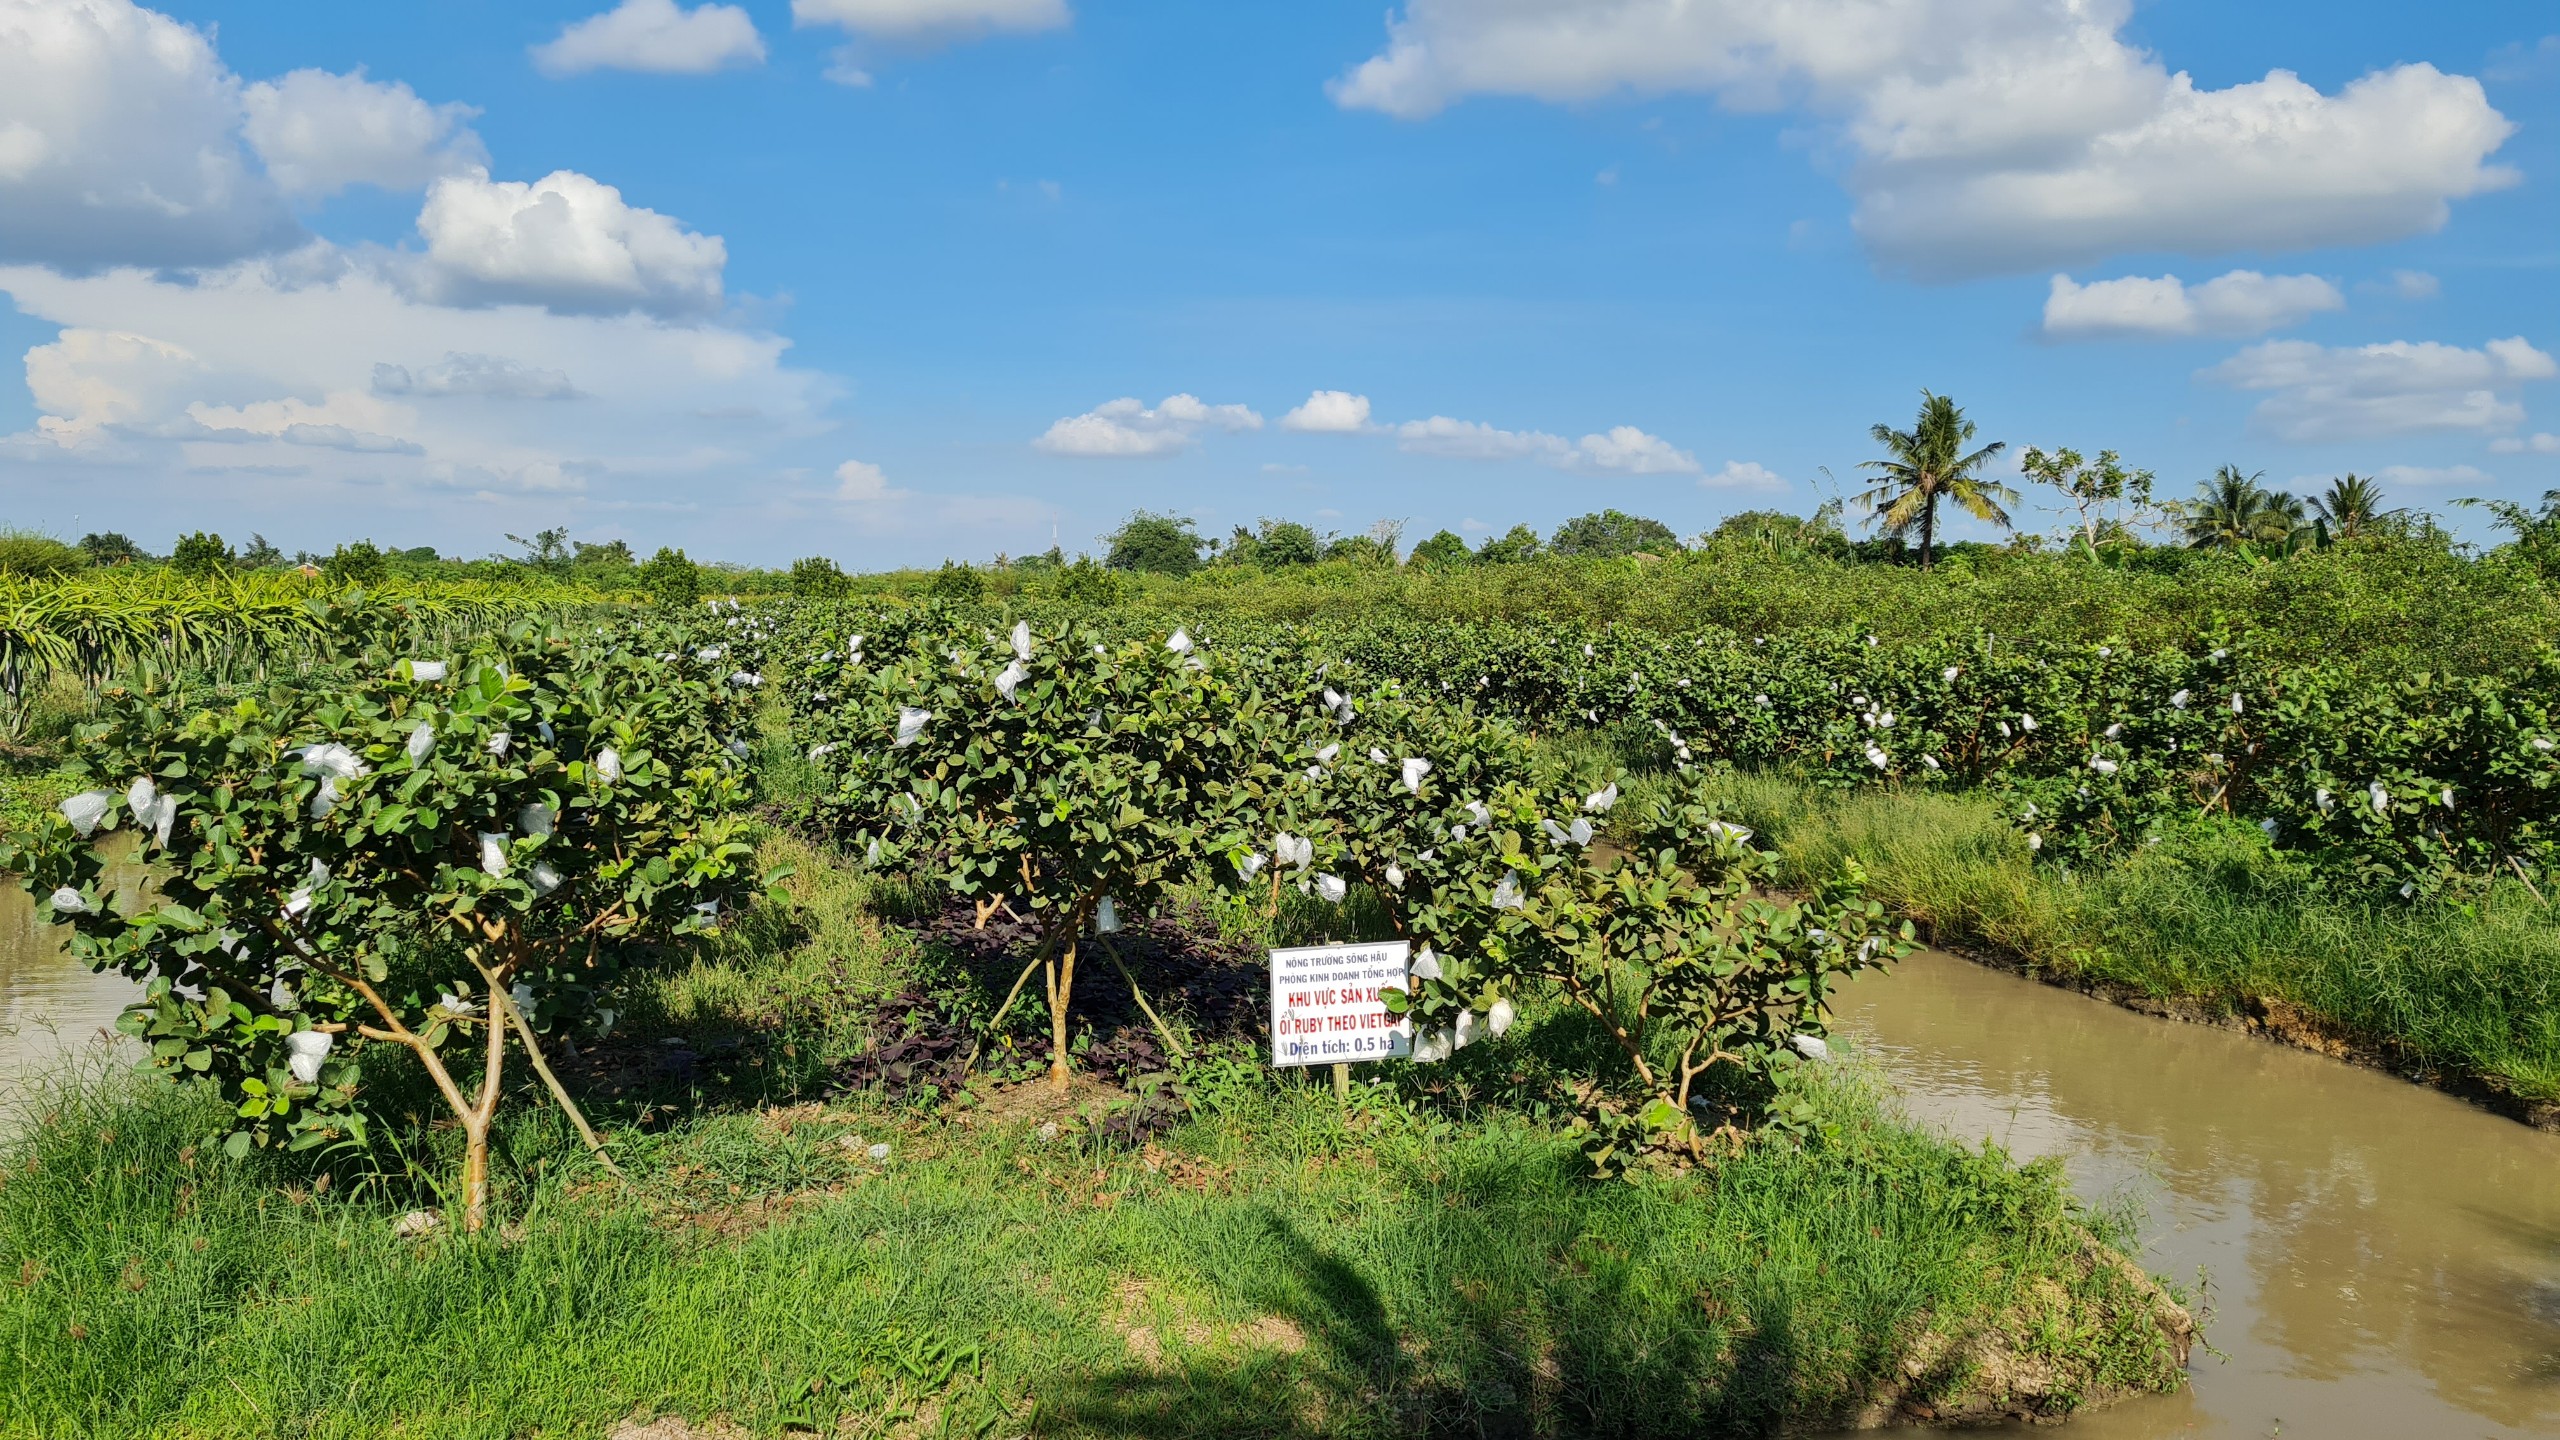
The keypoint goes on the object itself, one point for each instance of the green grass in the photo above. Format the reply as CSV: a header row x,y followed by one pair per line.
x,y
2212,914
1279,1264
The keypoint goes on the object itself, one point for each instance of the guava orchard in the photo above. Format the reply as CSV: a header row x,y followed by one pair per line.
x,y
1326,1005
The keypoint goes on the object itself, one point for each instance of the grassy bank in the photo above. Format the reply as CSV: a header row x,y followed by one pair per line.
x,y
2212,915
1275,1262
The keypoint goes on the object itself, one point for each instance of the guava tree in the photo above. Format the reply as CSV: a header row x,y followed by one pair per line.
x,y
1711,986
401,852
1057,775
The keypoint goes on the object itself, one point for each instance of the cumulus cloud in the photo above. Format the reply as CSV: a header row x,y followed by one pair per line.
x,y
488,377
2539,443
862,482
320,133
120,144
930,19
655,36
1990,135
566,242
1630,451
2243,302
1126,429
1475,440
1744,475
1329,412
2318,392
1625,449
340,375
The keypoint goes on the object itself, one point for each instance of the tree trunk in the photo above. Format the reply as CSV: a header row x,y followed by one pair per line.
x,y
1058,1019
1928,529
475,1175
476,1122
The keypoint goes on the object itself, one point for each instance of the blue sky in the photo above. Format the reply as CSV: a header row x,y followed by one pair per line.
x,y
894,280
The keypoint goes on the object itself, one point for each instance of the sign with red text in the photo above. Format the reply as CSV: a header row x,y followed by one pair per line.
x,y
1326,1008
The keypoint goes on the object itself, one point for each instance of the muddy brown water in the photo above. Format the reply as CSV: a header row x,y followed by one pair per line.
x,y
50,1004
2377,1260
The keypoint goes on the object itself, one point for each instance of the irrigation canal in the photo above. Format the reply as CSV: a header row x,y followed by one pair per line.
x,y
2375,1259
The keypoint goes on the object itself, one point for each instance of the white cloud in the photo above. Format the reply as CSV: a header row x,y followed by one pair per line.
x,y
655,36
862,482
1625,449
2415,285
488,377
1744,475
2316,392
1474,440
337,376
119,142
1990,135
2243,302
1128,429
1630,451
930,19
2434,475
2540,443
1329,412
566,242
320,133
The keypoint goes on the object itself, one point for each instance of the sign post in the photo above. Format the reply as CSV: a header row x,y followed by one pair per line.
x,y
1327,1009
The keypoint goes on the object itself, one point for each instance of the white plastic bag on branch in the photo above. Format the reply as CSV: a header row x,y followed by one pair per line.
x,y
67,901
1599,801
1293,850
426,672
1179,642
498,742
609,765
1331,888
544,878
1013,676
85,810
1506,892
422,740
911,723
1251,865
493,852
1106,917
1395,876
300,899
1414,770
304,1050
1021,639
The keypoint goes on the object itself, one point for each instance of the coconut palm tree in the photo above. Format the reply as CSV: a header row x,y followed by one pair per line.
x,y
2232,509
2352,506
1928,463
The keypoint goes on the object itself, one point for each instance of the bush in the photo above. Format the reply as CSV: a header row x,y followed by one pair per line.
x,y
200,555
817,578
1155,545
673,583
35,556
361,563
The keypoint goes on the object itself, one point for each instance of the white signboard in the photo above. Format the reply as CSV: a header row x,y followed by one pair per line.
x,y
1325,1007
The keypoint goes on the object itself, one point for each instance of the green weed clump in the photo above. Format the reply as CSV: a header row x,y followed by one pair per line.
x,y
2469,984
